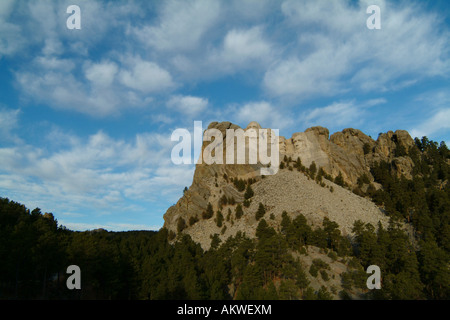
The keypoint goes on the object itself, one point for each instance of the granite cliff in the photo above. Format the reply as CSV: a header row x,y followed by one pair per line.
x,y
348,154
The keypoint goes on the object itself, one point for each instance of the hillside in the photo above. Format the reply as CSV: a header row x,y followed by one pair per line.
x,y
346,156
347,187
289,191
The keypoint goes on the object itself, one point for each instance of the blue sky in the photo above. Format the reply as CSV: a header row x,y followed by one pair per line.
x,y
86,115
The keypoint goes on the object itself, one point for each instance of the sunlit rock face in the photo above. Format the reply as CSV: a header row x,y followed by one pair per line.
x,y
253,125
344,153
349,153
314,145
341,153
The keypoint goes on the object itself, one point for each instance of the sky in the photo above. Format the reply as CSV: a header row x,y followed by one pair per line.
x,y
86,115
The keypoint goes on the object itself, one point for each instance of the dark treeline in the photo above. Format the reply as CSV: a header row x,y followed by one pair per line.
x,y
35,251
423,202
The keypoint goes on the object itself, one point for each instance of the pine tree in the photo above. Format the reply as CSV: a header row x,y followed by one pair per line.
x,y
366,148
263,231
261,211
239,184
288,290
219,219
319,238
323,294
309,294
181,225
193,220
339,180
301,233
215,241
434,270
248,192
239,212
320,174
333,233
312,170
209,212
223,200
271,292
301,279
229,214
252,283
285,222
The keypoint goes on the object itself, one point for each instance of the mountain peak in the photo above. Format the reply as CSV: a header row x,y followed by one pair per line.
x,y
348,154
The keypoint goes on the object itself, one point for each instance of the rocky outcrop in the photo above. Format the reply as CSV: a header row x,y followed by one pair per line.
x,y
341,153
209,183
349,153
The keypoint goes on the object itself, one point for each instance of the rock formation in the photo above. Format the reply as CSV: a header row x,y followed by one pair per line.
x,y
349,153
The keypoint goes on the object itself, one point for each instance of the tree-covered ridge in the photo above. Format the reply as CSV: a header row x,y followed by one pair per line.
x,y
143,265
423,202
425,199
35,251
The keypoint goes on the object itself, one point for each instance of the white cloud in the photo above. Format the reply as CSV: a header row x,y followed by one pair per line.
x,y
53,63
52,46
433,105
336,114
295,48
340,114
26,25
63,91
145,76
242,49
374,102
101,74
8,119
181,25
437,123
12,41
188,105
263,112
8,122
240,46
6,7
10,33
316,74
335,50
106,88
101,174
209,39
250,10
46,21
437,99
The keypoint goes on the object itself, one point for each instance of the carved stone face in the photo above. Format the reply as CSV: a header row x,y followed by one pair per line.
x,y
253,125
282,144
300,142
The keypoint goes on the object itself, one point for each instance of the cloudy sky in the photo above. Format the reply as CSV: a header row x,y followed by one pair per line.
x,y
86,115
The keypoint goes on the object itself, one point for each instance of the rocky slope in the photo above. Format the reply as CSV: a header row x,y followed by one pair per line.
x,y
349,153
